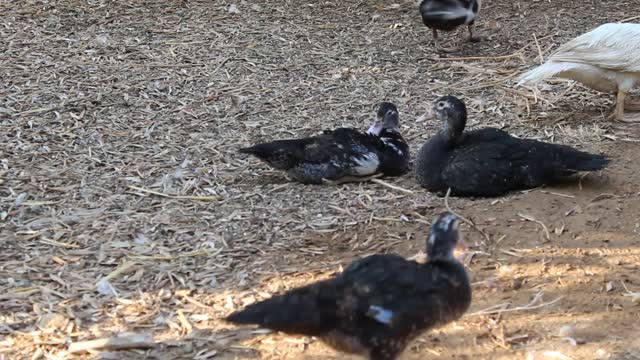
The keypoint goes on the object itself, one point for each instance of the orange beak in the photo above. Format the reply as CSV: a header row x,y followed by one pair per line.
x,y
429,115
462,246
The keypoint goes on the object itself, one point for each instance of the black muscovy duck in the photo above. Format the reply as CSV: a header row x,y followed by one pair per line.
x,y
489,161
447,15
379,303
343,154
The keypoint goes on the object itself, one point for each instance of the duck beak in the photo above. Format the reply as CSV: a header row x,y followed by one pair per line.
x,y
462,246
460,251
429,115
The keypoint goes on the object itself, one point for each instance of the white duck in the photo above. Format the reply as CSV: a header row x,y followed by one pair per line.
x,y
606,59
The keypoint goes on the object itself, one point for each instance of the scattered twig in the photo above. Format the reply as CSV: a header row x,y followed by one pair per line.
x,y
350,179
133,341
516,54
119,270
541,57
391,186
635,296
498,309
532,219
557,194
185,197
630,19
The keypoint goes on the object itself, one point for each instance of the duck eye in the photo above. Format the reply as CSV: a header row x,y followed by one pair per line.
x,y
441,105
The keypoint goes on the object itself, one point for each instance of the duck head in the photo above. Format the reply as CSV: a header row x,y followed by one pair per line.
x,y
444,237
453,114
387,118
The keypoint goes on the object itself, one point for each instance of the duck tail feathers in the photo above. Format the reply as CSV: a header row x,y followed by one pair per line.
x,y
280,154
589,162
256,150
544,71
295,312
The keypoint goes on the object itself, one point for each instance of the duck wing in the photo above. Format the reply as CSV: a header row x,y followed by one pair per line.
x,y
348,151
338,144
490,162
609,46
338,303
487,162
448,14
399,297
375,306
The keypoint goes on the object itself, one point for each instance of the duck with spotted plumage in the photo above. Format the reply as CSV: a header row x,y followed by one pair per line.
x,y
379,303
448,15
490,162
341,155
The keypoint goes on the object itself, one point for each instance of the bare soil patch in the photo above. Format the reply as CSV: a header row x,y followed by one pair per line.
x,y
105,104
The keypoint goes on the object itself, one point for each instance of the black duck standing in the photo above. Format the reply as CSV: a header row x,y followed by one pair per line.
x,y
489,161
343,154
379,303
447,15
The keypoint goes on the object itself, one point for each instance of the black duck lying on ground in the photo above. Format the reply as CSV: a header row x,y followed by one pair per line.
x,y
489,161
379,303
343,154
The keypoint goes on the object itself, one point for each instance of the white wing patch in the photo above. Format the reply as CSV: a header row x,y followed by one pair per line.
x,y
389,143
366,164
455,12
380,314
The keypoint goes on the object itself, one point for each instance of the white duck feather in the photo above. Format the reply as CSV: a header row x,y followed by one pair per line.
x,y
606,59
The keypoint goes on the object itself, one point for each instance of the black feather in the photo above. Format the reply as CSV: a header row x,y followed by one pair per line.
x,y
303,310
489,161
344,311
432,12
339,153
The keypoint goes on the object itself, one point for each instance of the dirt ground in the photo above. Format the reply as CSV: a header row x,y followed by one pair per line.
x,y
125,207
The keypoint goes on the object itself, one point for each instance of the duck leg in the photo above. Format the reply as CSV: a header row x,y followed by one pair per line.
x,y
619,115
619,112
439,47
346,179
471,37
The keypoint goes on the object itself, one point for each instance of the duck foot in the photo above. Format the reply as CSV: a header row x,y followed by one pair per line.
x,y
621,106
439,47
473,38
630,118
625,118
632,105
346,179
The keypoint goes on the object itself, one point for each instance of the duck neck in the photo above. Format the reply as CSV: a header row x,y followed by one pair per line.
x,y
440,251
450,137
452,130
